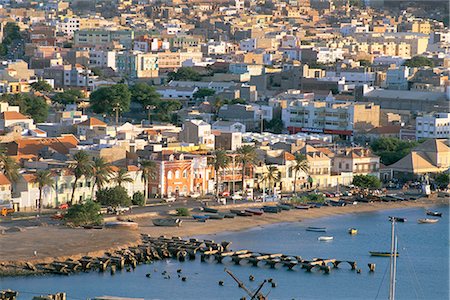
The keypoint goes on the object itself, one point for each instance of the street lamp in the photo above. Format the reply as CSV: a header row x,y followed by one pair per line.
x,y
149,109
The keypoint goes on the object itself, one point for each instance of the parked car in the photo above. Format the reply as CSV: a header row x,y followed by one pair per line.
x,y
195,195
237,196
170,199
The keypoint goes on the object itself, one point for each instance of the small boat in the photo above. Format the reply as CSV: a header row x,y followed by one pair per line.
x,y
200,218
271,209
284,207
398,219
303,206
325,238
427,221
215,216
383,254
168,222
241,213
122,225
228,215
256,212
317,229
434,213
353,231
210,210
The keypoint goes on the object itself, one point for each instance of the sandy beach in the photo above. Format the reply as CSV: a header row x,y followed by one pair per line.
x,y
45,244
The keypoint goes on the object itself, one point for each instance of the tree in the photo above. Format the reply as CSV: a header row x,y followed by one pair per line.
x,y
392,150
68,97
108,99
41,86
149,169
203,93
114,197
442,180
87,213
238,101
138,199
419,61
219,161
184,73
301,165
183,212
122,176
31,105
272,176
164,109
101,172
365,63
43,178
8,166
81,166
275,125
144,94
366,181
248,157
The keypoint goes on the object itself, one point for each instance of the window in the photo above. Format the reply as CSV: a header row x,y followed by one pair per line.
x,y
177,174
185,174
169,175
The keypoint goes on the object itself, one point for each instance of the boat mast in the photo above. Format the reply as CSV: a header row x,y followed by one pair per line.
x,y
392,261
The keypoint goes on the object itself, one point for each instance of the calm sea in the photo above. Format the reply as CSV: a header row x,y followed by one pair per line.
x,y
423,265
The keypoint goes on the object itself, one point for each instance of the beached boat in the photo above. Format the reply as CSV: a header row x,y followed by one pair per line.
x,y
427,221
271,209
210,210
325,238
122,225
353,231
284,206
227,215
215,216
434,213
383,254
241,213
200,218
167,222
303,206
256,212
398,219
316,229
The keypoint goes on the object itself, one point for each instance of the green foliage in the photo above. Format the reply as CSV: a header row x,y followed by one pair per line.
x,y
419,61
144,94
442,180
138,199
11,33
238,101
366,181
107,99
392,150
68,97
87,213
114,197
203,93
184,73
274,125
41,86
318,198
31,105
365,63
164,109
97,71
183,212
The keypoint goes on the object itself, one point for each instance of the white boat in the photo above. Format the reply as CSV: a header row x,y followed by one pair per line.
x,y
325,238
427,221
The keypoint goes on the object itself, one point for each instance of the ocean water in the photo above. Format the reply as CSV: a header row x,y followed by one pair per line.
x,y
422,267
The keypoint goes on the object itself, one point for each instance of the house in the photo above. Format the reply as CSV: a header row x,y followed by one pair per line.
x,y
319,167
91,125
9,119
197,132
358,161
5,188
228,140
229,126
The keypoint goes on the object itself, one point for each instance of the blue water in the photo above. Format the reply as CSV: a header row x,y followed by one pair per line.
x,y
423,265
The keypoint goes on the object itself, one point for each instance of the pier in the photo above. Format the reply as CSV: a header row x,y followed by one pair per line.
x,y
157,248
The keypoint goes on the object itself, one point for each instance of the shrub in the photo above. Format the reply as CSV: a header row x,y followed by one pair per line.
x,y
87,213
183,212
138,199
116,196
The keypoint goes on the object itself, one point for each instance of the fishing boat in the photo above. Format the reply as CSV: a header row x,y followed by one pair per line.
x,y
256,212
122,225
427,221
383,254
210,210
215,216
316,229
241,213
271,209
325,238
434,213
284,206
168,222
200,218
398,219
228,215
303,206
353,231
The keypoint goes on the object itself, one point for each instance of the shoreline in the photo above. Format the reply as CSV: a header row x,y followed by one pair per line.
x,y
93,242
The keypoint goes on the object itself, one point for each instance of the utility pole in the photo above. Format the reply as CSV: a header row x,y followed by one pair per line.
x,y
149,109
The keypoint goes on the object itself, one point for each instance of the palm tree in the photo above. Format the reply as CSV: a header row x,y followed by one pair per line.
x,y
101,172
122,176
81,166
149,169
248,157
301,165
219,160
9,167
272,176
43,178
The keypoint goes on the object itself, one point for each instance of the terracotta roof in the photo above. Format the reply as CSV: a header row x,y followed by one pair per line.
x,y
4,180
385,129
29,148
28,177
92,122
13,115
133,168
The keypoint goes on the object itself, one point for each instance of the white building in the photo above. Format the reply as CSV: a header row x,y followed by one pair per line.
x,y
229,126
102,59
197,132
180,93
68,26
433,126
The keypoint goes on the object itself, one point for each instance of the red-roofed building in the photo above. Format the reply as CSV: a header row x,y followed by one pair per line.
x,y
9,119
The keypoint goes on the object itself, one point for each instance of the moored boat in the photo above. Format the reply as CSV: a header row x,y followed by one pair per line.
x,y
398,219
200,218
427,221
353,231
316,229
256,212
434,213
303,206
241,213
215,216
325,238
271,209
167,222
210,210
228,215
284,206
122,225
383,254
